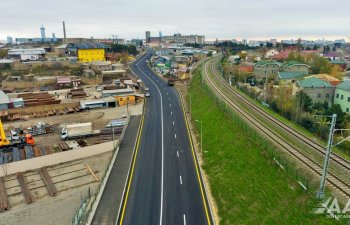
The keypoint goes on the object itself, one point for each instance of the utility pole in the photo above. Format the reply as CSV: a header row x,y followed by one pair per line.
x,y
113,136
320,193
266,86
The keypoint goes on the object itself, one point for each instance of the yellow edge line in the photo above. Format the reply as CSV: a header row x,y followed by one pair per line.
x,y
132,168
196,165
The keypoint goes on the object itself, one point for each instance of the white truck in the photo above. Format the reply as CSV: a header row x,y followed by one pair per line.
x,y
78,130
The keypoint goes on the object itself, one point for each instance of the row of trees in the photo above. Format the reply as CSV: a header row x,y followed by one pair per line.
x,y
314,117
3,53
317,64
130,49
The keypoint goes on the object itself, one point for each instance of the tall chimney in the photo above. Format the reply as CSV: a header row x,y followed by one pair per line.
x,y
64,30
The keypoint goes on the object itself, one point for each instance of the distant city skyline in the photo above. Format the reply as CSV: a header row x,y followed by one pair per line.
x,y
250,19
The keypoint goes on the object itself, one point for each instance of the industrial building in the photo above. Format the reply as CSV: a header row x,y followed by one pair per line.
x,y
117,92
27,54
52,40
88,51
176,38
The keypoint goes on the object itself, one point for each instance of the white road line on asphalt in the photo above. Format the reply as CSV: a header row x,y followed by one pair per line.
x,y
184,219
167,93
180,180
162,177
173,123
170,105
175,136
169,99
177,153
171,113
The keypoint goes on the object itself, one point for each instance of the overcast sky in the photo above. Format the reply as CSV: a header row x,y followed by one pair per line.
x,y
252,19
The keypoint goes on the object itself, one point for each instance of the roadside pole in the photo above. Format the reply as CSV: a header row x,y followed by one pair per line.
x,y
113,136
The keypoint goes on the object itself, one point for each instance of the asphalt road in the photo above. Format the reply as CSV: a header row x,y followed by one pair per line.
x,y
164,187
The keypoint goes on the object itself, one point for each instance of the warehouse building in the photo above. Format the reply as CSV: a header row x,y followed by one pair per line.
x,y
98,103
88,51
176,38
27,54
117,92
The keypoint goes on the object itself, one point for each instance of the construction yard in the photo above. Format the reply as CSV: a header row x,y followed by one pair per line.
x,y
99,118
40,185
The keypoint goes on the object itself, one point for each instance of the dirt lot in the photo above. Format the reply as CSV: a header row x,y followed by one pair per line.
x,y
72,181
99,118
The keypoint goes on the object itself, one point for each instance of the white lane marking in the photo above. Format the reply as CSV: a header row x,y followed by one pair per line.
x,y
173,123
170,105
167,93
177,153
175,136
184,219
169,99
180,180
162,177
171,113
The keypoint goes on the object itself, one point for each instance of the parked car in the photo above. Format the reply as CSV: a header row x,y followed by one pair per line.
x,y
147,95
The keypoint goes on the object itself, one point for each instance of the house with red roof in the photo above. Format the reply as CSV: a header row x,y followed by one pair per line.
x,y
281,56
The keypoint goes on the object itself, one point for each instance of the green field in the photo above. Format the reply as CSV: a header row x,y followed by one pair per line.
x,y
248,187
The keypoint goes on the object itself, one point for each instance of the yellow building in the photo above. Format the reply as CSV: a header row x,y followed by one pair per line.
x,y
89,52
123,100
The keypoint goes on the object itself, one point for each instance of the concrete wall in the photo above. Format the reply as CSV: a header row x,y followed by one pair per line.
x,y
28,110
320,94
297,68
56,158
26,84
341,97
271,70
50,64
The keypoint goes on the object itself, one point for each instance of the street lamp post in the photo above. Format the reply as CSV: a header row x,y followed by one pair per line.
x,y
265,86
199,121
113,136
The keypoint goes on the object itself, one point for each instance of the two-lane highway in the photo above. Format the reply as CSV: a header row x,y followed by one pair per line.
x,y
164,184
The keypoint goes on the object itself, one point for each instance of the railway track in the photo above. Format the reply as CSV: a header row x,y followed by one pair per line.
x,y
309,163
344,163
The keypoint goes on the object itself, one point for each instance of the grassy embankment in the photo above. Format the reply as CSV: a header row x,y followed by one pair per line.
x,y
247,186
